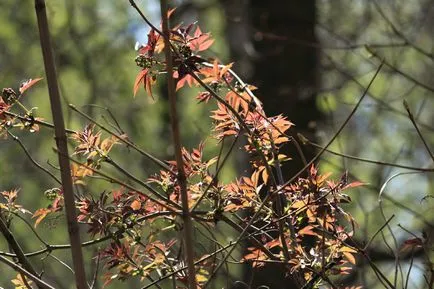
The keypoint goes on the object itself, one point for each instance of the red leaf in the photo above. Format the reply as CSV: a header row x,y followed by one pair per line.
x,y
313,171
411,244
414,242
29,83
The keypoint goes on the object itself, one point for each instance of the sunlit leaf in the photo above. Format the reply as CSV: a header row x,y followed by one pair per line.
x,y
27,84
40,214
350,257
139,80
136,205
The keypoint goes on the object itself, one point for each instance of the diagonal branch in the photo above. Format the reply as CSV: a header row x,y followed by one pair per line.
x,y
12,242
39,282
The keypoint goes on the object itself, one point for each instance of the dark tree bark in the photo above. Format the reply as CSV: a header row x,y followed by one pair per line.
x,y
275,47
285,68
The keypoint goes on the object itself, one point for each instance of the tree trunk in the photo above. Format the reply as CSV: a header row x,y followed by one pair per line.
x,y
275,47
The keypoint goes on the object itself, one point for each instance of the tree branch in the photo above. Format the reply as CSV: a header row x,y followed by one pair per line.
x,y
186,216
61,142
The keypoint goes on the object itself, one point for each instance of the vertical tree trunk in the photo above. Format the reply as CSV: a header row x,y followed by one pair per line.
x,y
285,68
274,44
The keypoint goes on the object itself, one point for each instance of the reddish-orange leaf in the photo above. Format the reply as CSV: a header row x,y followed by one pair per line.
x,y
347,249
307,231
201,41
353,185
313,170
170,12
29,83
188,79
350,257
41,214
139,79
148,86
273,243
136,205
226,69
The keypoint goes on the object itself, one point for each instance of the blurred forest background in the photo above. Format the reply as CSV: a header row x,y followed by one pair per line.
x,y
311,61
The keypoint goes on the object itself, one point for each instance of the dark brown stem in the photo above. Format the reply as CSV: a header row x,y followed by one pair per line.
x,y
186,214
61,142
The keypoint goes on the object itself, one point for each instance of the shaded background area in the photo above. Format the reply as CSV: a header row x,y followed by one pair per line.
x,y
311,60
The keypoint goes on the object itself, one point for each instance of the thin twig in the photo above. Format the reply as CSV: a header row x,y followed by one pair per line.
x,y
219,168
371,95
315,158
30,227
257,243
380,202
409,269
400,72
378,231
95,275
50,248
137,180
40,283
381,163
34,120
413,121
399,33
15,138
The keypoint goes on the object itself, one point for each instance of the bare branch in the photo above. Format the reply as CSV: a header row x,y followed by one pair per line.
x,y
61,142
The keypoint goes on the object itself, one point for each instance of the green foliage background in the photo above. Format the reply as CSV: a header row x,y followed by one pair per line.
x,y
94,41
